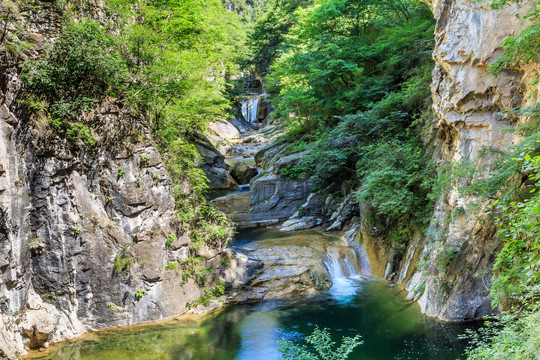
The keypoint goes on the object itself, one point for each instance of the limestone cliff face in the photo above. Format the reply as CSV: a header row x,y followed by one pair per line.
x,y
83,233
449,269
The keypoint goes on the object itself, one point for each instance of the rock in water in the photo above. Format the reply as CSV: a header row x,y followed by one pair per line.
x,y
243,173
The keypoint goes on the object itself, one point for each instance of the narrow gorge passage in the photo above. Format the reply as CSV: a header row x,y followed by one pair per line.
x,y
235,179
308,279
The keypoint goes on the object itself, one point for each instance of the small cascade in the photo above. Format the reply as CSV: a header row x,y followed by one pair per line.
x,y
339,264
250,108
346,262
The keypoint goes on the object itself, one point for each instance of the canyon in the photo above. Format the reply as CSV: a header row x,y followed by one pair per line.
x,y
84,233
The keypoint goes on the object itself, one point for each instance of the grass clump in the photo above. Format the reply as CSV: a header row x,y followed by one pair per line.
x,y
122,263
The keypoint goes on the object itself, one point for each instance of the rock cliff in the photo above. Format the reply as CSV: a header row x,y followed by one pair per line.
x,y
85,234
449,268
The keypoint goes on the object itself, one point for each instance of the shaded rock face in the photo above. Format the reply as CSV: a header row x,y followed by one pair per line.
x,y
87,236
241,124
468,103
213,165
274,197
277,197
243,173
236,206
221,134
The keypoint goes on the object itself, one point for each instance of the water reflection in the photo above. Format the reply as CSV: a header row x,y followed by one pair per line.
x,y
391,327
259,341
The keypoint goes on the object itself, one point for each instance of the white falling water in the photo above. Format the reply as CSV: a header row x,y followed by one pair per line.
x,y
339,265
346,262
250,108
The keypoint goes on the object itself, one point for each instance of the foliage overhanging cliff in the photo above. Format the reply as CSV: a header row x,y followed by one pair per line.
x,y
350,82
103,219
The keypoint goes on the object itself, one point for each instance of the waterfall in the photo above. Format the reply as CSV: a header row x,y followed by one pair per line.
x,y
346,262
339,265
250,108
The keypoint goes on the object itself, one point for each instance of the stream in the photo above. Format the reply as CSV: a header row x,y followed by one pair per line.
x,y
391,326
286,306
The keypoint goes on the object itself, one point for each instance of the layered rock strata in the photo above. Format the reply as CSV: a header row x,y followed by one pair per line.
x,y
86,235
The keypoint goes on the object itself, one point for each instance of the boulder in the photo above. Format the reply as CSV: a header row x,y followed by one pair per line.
x,y
307,222
224,130
243,173
241,124
275,197
213,164
293,266
236,206
218,178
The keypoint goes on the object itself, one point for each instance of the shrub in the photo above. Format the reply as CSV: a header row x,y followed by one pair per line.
x,y
192,268
35,244
144,160
448,253
517,278
396,179
172,266
516,284
139,294
170,239
320,347
514,335
212,228
120,264
210,293
83,64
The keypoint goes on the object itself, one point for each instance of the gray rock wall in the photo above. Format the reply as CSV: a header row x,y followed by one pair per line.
x,y
84,232
469,104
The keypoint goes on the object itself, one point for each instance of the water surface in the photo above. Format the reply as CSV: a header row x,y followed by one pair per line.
x,y
391,326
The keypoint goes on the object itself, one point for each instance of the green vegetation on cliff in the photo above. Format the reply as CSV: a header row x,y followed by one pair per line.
x,y
353,80
160,67
516,286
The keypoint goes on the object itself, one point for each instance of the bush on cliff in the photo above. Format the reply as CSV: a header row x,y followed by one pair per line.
x,y
353,79
516,285
161,64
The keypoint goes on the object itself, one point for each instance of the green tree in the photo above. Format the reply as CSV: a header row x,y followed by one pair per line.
x,y
344,55
269,33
